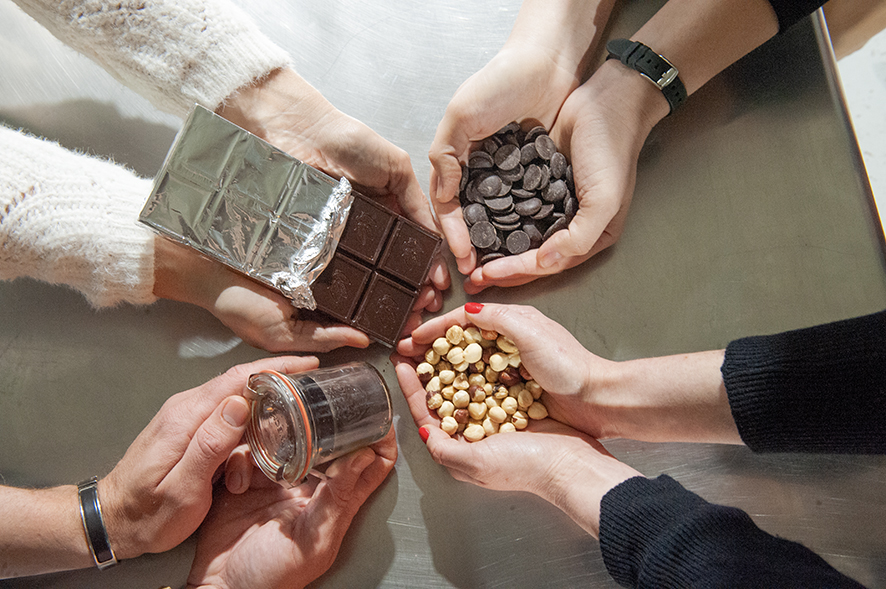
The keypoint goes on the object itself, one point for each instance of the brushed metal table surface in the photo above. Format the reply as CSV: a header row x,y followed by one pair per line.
x,y
752,215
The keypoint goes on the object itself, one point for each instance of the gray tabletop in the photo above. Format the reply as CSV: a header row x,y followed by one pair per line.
x,y
752,214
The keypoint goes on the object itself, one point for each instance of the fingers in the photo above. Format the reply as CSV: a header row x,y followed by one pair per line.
x,y
312,336
211,444
239,470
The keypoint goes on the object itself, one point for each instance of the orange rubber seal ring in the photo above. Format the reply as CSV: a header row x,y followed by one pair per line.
x,y
304,417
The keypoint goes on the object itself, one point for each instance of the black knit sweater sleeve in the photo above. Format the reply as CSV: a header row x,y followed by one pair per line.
x,y
790,11
820,389
654,533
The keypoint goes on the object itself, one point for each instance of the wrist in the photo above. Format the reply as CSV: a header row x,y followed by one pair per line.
x,y
629,98
567,30
281,102
183,275
579,489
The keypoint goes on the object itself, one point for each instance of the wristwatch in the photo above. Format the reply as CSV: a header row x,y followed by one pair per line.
x,y
94,525
651,66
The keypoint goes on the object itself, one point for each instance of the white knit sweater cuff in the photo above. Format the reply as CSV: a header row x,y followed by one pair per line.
x,y
172,52
72,219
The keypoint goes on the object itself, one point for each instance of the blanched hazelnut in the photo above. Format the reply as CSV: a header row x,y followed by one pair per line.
x,y
474,433
478,394
424,371
441,346
490,427
446,409
473,353
446,376
461,399
432,357
447,392
497,414
524,399
434,385
472,335
505,344
461,382
520,420
506,428
537,411
477,380
455,335
477,410
449,425
509,405
435,400
498,362
456,355
534,388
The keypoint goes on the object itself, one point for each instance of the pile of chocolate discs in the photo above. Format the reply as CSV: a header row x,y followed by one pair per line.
x,y
516,191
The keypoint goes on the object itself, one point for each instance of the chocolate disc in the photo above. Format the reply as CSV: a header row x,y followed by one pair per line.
x,y
489,186
544,212
558,165
555,192
507,157
511,127
534,132
503,204
490,256
545,147
480,160
506,227
561,223
517,242
483,234
535,236
531,177
474,213
512,175
528,153
528,207
511,217
521,193
570,206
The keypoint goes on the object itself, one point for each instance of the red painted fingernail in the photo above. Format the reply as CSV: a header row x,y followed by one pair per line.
x,y
473,307
423,433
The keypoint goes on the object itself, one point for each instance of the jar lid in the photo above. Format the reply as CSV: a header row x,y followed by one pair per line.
x,y
279,433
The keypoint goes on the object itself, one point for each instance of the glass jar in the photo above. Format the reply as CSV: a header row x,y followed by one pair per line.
x,y
299,421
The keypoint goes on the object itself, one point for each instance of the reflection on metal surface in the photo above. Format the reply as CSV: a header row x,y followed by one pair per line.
x,y
763,222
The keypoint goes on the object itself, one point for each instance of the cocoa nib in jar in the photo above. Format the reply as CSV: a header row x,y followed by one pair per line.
x,y
516,191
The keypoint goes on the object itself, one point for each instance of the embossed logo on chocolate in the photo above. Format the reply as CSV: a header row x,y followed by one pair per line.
x,y
410,252
339,285
363,227
388,310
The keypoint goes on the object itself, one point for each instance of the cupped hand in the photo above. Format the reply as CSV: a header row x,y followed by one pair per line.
x,y
602,135
569,374
549,459
161,489
524,81
275,537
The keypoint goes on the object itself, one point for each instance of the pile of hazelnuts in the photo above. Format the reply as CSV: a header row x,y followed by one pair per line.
x,y
476,383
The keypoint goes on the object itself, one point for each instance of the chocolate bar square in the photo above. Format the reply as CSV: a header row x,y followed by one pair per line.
x,y
409,253
367,229
340,287
384,309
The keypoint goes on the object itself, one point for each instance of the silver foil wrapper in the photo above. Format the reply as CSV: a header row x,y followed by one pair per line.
x,y
241,201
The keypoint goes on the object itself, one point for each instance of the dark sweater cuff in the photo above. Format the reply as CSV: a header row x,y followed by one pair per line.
x,y
655,533
820,389
789,12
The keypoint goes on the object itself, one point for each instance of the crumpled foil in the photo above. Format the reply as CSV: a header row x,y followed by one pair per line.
x,y
241,201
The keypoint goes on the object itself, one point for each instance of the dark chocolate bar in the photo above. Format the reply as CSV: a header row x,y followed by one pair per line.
x,y
381,262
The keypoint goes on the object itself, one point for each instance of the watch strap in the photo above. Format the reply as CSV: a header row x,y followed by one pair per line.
x,y
651,66
94,524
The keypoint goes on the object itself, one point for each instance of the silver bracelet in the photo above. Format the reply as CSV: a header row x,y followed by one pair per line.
x,y
94,525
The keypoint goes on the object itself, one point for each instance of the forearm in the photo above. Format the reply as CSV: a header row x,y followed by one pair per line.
x,y
678,398
700,38
41,531
174,53
568,28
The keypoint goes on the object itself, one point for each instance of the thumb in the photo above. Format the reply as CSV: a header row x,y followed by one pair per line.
x,y
213,442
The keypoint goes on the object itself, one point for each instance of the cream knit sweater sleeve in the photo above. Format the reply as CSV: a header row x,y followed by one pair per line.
x,y
66,218
172,52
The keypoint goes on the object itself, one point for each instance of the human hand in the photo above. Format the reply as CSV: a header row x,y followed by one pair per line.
x,y
293,116
271,536
601,129
523,81
549,459
161,489
555,359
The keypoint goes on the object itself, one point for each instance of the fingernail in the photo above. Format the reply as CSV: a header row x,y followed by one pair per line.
x,y
549,259
235,412
473,307
423,433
